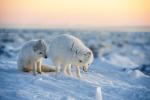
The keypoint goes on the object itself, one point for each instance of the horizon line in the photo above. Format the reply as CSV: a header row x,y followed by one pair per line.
x,y
73,26
137,28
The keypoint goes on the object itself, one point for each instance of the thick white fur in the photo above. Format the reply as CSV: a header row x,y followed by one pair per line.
x,y
66,50
30,56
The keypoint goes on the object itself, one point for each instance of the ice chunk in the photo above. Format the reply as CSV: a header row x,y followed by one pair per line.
x,y
98,93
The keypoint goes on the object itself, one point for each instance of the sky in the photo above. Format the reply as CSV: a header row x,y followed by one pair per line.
x,y
75,13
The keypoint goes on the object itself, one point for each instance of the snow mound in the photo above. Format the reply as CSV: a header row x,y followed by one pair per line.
x,y
136,73
120,61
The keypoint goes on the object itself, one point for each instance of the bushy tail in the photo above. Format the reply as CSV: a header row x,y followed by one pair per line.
x,y
46,68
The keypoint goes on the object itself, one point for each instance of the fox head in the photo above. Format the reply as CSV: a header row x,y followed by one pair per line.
x,y
85,58
40,48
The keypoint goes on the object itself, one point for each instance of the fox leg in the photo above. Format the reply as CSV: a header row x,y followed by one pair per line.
x,y
39,70
78,71
57,68
69,70
57,65
34,67
65,68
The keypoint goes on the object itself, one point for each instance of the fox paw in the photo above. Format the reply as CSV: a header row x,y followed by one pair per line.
x,y
39,72
79,76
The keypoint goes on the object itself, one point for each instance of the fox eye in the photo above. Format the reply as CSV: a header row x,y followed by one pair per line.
x,y
80,61
40,53
84,54
88,53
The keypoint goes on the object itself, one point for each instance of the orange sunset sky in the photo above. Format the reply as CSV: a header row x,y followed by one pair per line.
x,y
75,13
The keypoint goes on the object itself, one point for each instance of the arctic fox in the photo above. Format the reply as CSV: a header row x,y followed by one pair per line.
x,y
30,56
66,50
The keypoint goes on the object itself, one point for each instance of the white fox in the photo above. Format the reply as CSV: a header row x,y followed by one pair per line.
x,y
67,50
30,56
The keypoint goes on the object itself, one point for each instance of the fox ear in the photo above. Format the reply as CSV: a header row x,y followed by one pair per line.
x,y
37,45
40,41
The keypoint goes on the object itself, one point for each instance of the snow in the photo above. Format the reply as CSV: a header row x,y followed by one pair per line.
x,y
119,61
136,73
105,80
98,94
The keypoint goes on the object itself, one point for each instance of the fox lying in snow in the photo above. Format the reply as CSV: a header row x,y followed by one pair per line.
x,y
30,57
67,50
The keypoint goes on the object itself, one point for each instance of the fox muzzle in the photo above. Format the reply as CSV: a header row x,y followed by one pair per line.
x,y
45,56
84,69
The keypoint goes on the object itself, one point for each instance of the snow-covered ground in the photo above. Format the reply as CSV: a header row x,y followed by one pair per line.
x,y
116,55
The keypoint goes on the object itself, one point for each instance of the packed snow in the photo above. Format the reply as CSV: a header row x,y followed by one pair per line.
x,y
120,70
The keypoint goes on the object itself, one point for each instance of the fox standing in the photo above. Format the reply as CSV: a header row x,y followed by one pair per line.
x,y
67,50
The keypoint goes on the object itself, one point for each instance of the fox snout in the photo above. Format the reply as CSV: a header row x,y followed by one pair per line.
x,y
85,69
45,56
